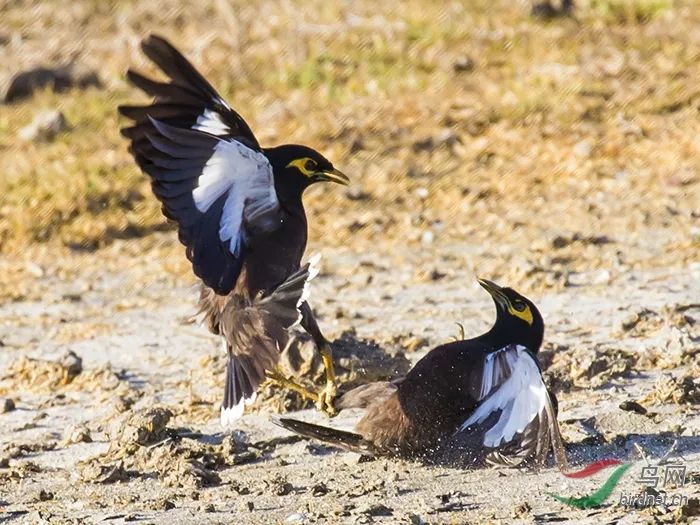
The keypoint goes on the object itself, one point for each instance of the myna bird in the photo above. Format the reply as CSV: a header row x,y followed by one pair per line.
x,y
239,212
486,392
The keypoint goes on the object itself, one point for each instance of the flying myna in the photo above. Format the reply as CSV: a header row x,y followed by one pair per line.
x,y
239,212
486,393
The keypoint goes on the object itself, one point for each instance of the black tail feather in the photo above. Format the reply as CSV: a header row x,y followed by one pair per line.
x,y
239,389
342,438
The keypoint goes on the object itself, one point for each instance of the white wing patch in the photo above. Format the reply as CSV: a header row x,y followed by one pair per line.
x,y
314,268
246,175
511,383
210,122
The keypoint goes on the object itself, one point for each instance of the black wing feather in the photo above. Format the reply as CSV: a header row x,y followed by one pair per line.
x,y
188,90
174,155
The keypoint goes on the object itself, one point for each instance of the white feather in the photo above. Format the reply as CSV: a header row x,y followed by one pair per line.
x,y
210,122
314,268
230,415
520,398
246,176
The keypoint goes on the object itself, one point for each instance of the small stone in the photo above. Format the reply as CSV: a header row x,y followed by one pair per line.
x,y
446,137
8,405
45,495
560,241
422,193
633,406
233,444
319,489
72,363
168,505
44,127
295,518
376,509
583,149
76,434
463,64
427,238
357,194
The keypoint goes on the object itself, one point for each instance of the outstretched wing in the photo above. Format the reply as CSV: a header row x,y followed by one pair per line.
x,y
256,332
186,101
206,167
515,405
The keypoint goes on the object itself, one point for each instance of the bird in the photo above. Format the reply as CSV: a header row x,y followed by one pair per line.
x,y
484,398
240,216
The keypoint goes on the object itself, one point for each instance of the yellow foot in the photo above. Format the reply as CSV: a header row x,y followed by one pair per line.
x,y
275,377
326,398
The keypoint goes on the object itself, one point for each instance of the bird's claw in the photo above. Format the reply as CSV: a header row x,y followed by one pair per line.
x,y
326,398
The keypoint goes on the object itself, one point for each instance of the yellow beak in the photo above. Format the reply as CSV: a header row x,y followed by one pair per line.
x,y
333,175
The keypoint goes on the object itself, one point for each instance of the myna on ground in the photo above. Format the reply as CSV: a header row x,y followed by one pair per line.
x,y
239,212
482,397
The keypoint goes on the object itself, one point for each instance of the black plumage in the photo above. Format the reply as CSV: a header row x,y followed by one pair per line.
x,y
238,208
469,401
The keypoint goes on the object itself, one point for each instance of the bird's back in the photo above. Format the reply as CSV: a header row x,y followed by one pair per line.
x,y
432,400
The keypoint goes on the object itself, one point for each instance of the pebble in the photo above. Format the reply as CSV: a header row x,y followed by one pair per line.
x,y
44,127
583,149
463,64
8,405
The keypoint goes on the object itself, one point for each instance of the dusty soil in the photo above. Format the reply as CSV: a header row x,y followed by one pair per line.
x,y
84,441
559,158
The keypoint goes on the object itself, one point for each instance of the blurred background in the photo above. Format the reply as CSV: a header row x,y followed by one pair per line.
x,y
548,148
543,153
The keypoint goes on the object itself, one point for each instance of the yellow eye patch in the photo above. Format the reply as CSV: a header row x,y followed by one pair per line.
x,y
305,165
524,314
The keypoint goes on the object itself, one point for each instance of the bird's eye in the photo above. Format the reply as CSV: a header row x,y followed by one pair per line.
x,y
310,165
519,305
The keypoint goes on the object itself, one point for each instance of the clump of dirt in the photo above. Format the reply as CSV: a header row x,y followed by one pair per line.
x,y
144,444
95,472
680,390
144,427
27,373
641,323
585,368
64,373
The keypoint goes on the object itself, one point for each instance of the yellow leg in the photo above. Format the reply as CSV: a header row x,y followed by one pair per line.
x,y
276,378
327,395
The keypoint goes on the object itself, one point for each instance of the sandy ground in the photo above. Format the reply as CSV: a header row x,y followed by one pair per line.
x,y
74,453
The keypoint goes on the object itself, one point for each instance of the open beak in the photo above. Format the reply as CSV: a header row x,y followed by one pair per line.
x,y
494,290
333,175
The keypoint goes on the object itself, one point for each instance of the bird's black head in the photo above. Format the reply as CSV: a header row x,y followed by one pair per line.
x,y
518,321
297,167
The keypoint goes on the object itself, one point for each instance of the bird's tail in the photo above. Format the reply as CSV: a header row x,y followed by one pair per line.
x,y
239,389
341,438
256,332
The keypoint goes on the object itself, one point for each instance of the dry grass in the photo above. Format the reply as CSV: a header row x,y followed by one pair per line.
x,y
579,131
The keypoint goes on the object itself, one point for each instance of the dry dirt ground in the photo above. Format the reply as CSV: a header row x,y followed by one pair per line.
x,y
557,157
